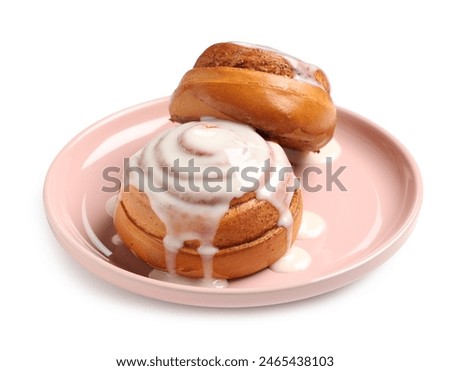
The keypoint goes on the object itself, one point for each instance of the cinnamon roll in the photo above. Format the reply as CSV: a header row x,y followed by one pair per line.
x,y
209,199
284,98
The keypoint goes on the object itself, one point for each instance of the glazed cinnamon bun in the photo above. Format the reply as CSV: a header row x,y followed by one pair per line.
x,y
287,100
209,199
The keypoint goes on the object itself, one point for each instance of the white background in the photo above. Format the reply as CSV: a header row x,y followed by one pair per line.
x,y
64,66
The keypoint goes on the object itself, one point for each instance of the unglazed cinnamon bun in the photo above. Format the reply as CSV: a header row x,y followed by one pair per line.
x,y
284,98
209,199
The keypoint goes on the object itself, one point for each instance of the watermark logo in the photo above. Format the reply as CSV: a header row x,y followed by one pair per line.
x,y
192,178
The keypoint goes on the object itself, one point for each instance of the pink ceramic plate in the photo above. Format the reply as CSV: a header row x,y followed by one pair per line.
x,y
365,224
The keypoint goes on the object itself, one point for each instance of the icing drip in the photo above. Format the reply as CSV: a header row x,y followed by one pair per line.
x,y
116,240
295,259
180,280
110,206
312,225
330,152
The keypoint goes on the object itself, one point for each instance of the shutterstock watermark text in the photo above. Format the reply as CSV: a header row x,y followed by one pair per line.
x,y
192,178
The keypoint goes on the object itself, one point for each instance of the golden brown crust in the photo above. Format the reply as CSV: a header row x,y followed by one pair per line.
x,y
293,113
248,237
228,83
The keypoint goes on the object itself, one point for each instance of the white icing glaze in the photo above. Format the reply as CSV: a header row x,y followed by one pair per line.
x,y
116,240
110,205
302,71
180,280
190,207
331,151
295,259
313,225
280,199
